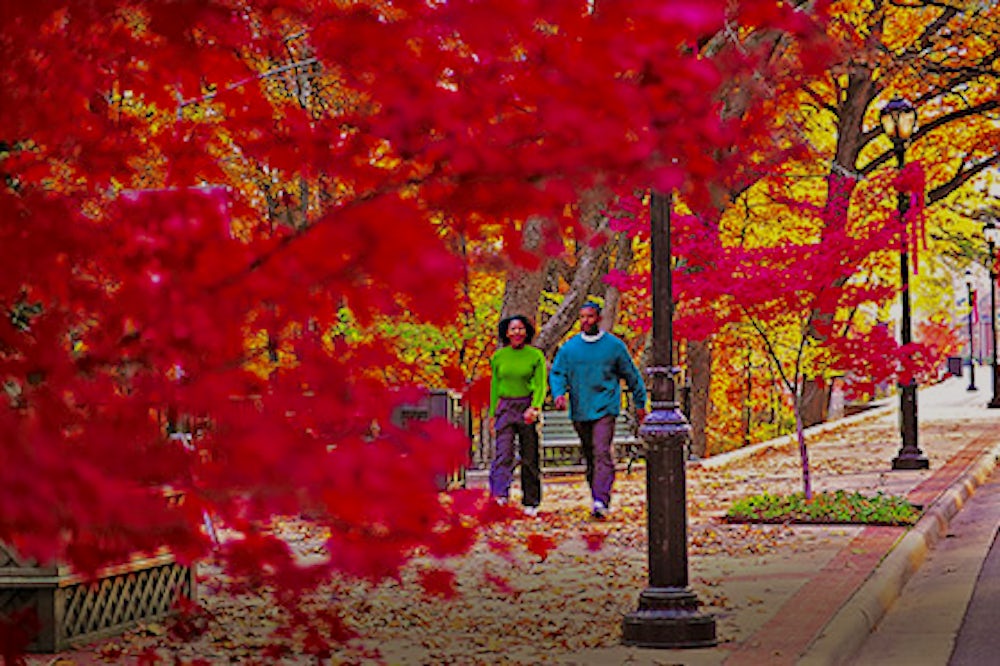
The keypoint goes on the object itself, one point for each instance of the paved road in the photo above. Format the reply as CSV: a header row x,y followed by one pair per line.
x,y
978,640
948,614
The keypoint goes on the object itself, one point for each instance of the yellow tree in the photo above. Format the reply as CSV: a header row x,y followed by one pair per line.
x,y
941,56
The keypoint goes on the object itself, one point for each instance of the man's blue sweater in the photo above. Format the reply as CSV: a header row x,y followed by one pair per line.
x,y
592,371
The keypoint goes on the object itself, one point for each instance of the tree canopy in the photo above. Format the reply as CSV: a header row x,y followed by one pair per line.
x,y
195,194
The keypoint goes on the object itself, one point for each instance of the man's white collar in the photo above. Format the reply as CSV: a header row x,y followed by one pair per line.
x,y
591,338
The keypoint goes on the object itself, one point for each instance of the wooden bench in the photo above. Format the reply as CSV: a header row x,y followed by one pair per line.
x,y
560,445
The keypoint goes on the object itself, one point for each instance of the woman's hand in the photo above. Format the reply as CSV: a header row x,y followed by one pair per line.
x,y
531,415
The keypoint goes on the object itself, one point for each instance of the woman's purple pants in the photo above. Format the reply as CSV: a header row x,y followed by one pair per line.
x,y
510,425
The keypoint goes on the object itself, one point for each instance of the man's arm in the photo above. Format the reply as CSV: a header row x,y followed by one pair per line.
x,y
633,380
558,380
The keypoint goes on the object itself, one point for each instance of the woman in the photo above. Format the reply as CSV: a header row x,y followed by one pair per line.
x,y
517,389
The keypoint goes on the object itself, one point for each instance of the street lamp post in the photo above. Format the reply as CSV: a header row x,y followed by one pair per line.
x,y
972,307
899,119
992,233
668,614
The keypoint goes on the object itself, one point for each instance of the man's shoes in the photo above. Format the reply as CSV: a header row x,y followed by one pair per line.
x,y
600,510
531,511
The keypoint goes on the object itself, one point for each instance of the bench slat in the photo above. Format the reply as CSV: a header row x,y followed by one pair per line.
x,y
560,445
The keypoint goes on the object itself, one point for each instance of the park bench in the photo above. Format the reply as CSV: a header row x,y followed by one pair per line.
x,y
560,445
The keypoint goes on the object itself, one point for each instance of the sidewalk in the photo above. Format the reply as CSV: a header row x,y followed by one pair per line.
x,y
949,611
781,594
829,604
821,609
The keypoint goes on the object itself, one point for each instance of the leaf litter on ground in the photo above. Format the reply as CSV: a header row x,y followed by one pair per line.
x,y
514,606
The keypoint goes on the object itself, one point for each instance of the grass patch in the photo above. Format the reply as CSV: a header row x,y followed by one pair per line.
x,y
840,507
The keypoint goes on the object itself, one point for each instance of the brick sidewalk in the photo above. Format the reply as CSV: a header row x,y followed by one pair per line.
x,y
781,641
957,439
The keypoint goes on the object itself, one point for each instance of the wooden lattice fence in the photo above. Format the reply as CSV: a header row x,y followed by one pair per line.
x,y
73,610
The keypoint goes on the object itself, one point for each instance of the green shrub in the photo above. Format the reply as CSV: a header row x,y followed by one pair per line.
x,y
834,508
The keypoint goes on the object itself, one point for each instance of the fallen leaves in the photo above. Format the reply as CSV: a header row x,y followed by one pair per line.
x,y
531,591
439,583
540,545
595,540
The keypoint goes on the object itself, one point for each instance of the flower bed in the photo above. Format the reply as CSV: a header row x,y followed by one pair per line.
x,y
840,507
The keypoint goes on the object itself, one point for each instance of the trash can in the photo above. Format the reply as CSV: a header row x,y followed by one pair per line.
x,y
955,366
446,404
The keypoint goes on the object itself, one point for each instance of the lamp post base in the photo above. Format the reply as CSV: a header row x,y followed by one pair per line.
x,y
907,460
668,618
994,404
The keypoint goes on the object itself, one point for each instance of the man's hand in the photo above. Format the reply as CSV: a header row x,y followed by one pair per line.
x,y
640,416
560,402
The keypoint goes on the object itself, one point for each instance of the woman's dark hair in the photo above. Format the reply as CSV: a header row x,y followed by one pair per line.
x,y
528,328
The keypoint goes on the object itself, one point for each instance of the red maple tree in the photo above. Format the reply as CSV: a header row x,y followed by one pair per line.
x,y
130,287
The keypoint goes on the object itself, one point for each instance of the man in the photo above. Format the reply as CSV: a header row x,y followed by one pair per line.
x,y
591,366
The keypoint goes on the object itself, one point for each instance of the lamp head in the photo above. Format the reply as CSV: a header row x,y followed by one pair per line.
x,y
968,278
992,233
899,119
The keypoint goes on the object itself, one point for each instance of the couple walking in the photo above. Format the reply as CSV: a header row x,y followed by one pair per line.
x,y
589,368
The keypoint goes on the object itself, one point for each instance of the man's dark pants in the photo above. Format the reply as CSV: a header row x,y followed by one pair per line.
x,y
596,441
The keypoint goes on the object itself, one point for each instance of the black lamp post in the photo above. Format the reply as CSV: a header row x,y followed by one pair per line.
x,y
992,233
899,119
668,615
972,368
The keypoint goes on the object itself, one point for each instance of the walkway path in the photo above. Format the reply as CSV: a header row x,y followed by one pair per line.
x,y
933,618
824,607
781,594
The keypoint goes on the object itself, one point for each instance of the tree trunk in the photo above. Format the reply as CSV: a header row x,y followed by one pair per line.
x,y
589,262
699,362
612,295
524,287
587,265
813,402
800,437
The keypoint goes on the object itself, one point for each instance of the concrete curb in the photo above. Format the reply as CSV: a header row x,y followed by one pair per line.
x,y
844,635
737,455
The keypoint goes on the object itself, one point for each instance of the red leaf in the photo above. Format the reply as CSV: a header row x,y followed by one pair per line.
x,y
501,547
595,540
499,583
439,583
540,545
